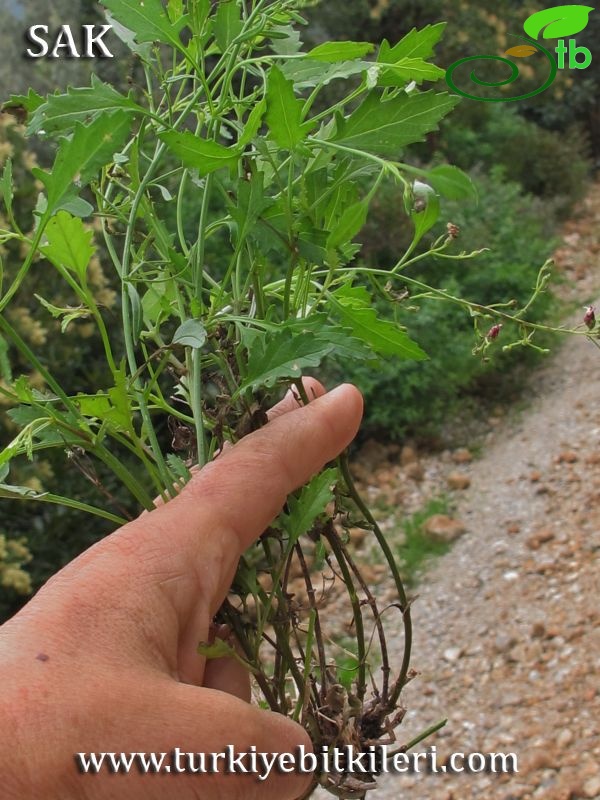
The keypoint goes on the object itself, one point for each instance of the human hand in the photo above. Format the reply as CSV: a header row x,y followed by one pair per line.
x,y
104,657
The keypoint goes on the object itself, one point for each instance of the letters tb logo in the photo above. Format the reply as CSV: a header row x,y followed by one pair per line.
x,y
578,57
559,22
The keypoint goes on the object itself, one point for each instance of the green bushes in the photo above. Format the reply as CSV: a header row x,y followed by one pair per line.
x,y
549,164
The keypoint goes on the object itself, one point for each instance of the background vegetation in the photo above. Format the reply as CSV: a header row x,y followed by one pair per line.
x,y
530,162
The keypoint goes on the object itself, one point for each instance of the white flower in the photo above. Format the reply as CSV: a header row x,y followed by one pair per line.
x,y
422,189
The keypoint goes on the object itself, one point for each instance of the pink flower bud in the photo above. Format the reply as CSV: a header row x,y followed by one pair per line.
x,y
590,317
494,332
453,230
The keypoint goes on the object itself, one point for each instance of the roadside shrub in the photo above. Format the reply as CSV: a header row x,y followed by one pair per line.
x,y
549,164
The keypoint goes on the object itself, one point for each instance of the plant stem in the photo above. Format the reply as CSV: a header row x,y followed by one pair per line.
x,y
420,738
55,499
13,288
128,329
195,389
381,541
361,685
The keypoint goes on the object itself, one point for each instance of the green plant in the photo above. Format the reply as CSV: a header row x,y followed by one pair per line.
x,y
418,547
553,165
227,117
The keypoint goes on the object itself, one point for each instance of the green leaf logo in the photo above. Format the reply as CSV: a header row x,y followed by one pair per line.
x,y
558,22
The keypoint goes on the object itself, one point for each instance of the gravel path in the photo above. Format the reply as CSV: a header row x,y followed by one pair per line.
x,y
508,623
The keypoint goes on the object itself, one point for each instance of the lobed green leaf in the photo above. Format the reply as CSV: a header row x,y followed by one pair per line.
x,y
384,127
282,356
284,112
409,69
345,345
416,44
147,20
111,406
159,301
69,243
356,312
60,111
251,202
204,155
306,73
228,24
308,504
28,102
340,51
127,36
79,158
351,222
286,40
67,314
253,123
